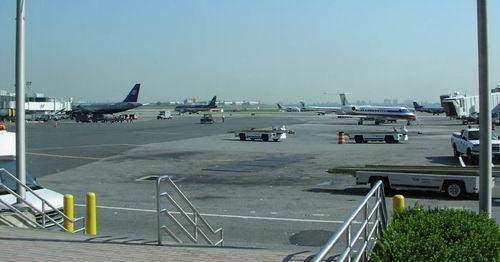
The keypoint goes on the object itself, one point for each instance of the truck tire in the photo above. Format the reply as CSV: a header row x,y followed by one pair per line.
x,y
243,137
456,154
454,189
470,157
389,139
275,139
265,137
358,139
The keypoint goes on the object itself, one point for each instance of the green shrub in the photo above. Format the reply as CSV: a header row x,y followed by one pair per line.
x,y
439,235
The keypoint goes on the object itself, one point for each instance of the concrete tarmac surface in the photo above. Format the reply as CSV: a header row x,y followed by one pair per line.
x,y
274,195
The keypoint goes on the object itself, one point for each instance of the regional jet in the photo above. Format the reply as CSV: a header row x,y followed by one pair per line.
x,y
379,114
433,110
197,108
321,110
95,111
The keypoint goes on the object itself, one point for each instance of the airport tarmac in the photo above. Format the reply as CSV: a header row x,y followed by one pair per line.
x,y
264,194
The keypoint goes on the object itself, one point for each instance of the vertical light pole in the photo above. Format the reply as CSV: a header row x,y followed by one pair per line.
x,y
484,111
20,100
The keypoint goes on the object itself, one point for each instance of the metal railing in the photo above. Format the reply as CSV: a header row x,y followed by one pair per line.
x,y
196,220
46,208
358,244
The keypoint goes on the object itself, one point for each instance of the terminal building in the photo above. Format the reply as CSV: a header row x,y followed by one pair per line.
x,y
36,105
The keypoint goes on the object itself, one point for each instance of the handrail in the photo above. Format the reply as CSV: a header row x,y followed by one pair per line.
x,y
44,203
367,236
197,220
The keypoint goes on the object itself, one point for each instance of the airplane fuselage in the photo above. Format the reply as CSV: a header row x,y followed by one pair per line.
x,y
104,108
192,108
432,110
379,113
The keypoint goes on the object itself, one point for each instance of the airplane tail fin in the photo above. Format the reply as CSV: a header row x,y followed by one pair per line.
x,y
134,94
343,99
302,104
416,105
279,106
212,102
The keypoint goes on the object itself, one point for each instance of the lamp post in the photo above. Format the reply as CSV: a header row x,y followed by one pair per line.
x,y
484,111
20,100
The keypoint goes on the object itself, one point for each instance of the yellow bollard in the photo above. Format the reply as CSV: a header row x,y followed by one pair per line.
x,y
91,227
69,211
398,203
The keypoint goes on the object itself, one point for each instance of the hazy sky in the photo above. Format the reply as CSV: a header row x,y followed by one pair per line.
x,y
266,50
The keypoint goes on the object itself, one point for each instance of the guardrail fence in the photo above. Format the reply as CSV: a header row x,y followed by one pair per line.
x,y
194,221
355,239
46,216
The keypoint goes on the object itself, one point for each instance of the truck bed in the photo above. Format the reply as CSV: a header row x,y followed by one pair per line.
x,y
435,170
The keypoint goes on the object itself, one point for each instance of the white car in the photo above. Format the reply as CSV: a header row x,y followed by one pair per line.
x,y
53,198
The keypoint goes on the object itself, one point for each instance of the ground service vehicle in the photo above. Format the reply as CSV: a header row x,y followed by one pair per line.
x,y
466,143
164,115
112,119
207,119
388,137
454,181
273,134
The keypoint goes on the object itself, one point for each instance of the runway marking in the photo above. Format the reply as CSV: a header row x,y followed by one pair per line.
x,y
226,216
101,145
63,156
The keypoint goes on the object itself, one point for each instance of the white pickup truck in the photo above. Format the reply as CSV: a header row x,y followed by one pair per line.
x,y
466,143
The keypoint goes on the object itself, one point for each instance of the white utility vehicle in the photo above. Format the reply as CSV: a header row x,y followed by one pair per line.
x,y
163,114
454,181
270,134
388,137
466,143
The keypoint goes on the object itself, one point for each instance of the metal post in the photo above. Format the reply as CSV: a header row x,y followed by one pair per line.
x,y
158,211
20,100
398,203
484,111
91,220
69,211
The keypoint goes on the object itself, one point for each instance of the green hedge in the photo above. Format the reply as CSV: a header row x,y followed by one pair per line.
x,y
439,235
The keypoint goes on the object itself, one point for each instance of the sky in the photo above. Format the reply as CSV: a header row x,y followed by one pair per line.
x,y
264,50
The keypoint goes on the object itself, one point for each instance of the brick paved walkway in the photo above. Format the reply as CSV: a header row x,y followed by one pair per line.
x,y
40,245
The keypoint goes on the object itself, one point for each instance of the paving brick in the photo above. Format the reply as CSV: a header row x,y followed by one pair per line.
x,y
40,245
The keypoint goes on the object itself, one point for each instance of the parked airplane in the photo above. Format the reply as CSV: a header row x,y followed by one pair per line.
x,y
288,108
379,114
197,108
321,110
95,111
433,110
